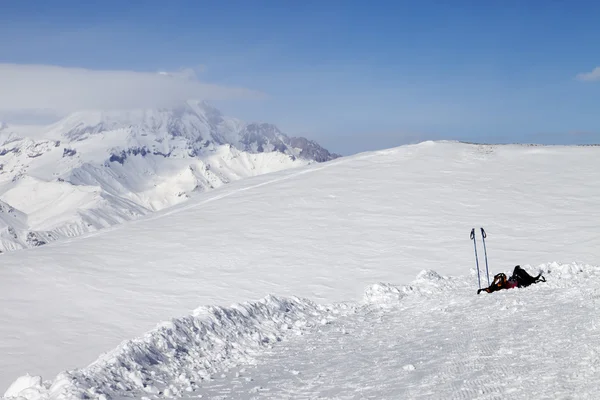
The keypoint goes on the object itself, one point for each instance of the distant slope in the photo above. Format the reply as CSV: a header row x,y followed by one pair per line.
x,y
323,232
99,168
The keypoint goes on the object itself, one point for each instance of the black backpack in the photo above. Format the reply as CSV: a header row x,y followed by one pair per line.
x,y
524,279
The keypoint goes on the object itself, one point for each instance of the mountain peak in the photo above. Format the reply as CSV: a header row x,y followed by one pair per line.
x,y
183,118
197,122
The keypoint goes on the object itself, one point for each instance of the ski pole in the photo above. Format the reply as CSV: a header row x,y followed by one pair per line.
x,y
483,234
476,259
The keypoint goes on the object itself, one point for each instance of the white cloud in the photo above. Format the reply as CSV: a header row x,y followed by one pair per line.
x,y
590,76
45,90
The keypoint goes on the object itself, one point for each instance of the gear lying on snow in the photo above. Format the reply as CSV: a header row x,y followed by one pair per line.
x,y
519,278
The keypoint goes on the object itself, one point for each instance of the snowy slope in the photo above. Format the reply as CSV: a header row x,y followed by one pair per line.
x,y
95,169
323,232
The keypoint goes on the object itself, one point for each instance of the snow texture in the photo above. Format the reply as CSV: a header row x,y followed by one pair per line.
x,y
378,243
441,343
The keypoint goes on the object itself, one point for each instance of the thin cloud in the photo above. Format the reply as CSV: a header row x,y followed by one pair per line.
x,y
590,76
57,91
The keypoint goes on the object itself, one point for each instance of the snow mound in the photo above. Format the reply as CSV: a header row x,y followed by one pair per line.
x,y
26,386
570,271
427,282
383,294
177,355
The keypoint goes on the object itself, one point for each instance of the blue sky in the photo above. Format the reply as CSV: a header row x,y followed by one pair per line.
x,y
353,75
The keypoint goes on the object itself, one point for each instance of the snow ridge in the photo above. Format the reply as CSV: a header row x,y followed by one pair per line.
x,y
178,355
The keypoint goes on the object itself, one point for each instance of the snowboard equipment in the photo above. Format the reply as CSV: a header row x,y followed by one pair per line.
x,y
476,259
487,272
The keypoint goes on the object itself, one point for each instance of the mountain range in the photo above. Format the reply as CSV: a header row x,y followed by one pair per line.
x,y
95,169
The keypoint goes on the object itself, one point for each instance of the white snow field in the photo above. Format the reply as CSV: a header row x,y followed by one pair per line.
x,y
351,238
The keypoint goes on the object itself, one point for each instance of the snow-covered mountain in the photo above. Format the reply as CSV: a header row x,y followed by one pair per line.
x,y
350,238
95,169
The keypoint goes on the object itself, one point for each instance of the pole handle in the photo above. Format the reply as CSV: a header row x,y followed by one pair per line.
x,y
483,233
472,233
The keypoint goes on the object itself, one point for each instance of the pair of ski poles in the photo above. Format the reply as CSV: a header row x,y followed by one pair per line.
x,y
483,235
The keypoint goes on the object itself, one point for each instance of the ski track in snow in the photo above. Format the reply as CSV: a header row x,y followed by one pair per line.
x,y
432,339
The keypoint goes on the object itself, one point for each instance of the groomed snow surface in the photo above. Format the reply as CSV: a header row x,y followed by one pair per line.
x,y
376,248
